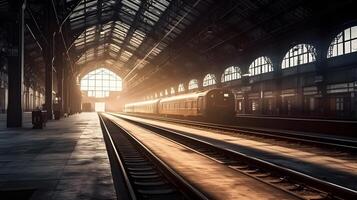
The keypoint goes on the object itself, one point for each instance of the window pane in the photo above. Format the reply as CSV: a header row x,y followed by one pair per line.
x,y
343,43
99,82
298,55
354,45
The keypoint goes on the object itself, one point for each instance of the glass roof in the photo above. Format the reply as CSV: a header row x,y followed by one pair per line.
x,y
126,31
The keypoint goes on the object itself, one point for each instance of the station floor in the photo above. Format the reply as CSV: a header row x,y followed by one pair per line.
x,y
65,160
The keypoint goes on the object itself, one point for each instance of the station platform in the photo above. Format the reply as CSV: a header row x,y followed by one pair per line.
x,y
65,160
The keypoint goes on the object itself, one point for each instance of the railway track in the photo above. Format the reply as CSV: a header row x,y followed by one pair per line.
x,y
142,174
288,180
314,140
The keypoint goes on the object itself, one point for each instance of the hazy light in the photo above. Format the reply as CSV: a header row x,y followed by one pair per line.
x,y
100,82
99,106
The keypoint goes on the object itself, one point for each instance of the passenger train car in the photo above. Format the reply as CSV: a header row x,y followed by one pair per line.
x,y
212,104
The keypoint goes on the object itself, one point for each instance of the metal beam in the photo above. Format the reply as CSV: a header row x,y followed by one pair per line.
x,y
16,69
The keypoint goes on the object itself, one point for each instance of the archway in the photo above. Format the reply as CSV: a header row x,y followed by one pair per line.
x,y
97,86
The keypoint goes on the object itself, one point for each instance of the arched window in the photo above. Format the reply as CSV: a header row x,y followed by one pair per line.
x,y
193,84
344,43
181,88
260,65
172,90
155,94
98,83
298,55
230,74
161,93
166,92
210,79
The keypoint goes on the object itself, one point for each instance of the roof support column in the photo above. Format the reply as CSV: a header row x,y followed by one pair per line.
x,y
49,61
322,98
246,88
60,65
276,61
49,81
65,90
75,97
16,68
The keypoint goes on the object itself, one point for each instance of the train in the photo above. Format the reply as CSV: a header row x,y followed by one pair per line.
x,y
210,104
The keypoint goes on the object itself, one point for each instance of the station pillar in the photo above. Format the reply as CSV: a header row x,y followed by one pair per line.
x,y
59,63
49,56
16,68
49,82
66,91
75,97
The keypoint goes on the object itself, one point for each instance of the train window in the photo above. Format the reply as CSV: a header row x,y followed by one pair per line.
x,y
339,104
239,105
199,103
190,105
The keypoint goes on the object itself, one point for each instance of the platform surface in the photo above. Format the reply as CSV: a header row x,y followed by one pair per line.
x,y
65,160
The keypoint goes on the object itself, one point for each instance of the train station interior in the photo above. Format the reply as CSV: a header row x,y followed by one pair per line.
x,y
178,99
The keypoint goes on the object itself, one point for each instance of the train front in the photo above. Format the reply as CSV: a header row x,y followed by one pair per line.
x,y
220,105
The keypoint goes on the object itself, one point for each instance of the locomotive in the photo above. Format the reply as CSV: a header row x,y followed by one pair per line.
x,y
210,104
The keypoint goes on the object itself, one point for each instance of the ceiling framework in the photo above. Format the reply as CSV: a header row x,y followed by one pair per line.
x,y
128,34
145,40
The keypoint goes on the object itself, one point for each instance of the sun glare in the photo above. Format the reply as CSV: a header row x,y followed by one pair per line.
x,y
100,82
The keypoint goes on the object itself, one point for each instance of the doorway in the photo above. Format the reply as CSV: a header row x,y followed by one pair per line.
x,y
99,106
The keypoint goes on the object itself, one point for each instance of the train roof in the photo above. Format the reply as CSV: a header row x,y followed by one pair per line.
x,y
143,102
174,98
186,96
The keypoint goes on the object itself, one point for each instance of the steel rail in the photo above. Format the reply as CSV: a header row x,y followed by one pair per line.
x,y
319,140
118,158
329,188
188,190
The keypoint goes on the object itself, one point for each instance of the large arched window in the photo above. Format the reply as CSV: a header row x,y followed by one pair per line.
x,y
193,84
210,79
98,83
298,55
181,88
344,43
172,91
230,74
260,65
